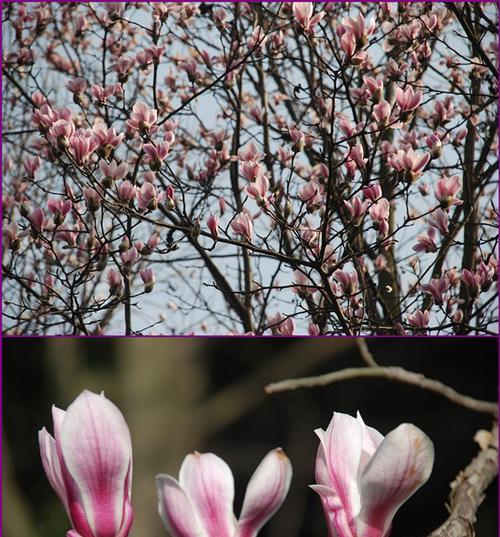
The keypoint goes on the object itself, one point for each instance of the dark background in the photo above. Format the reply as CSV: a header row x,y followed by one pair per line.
x,y
179,395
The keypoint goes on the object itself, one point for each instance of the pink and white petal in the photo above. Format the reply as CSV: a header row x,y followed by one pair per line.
x,y
96,448
176,509
401,465
371,440
209,484
343,447
331,503
50,461
266,491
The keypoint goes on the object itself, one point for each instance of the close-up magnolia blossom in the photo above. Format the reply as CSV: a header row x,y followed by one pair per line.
x,y
200,503
88,463
363,478
256,140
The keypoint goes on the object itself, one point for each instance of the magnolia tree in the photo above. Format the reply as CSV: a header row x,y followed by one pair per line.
x,y
263,168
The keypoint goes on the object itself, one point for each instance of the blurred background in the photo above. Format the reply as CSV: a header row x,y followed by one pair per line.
x,y
181,395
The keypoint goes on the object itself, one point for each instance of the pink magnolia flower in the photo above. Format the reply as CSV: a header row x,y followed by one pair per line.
x,y
472,281
407,99
434,143
112,171
363,478
258,190
143,118
115,282
59,209
148,197
31,166
426,243
357,209
126,191
148,279
106,138
156,155
437,289
77,85
82,144
101,95
298,140
311,195
88,463
372,192
446,191
358,29
92,199
200,503
409,162
250,153
38,220
348,282
382,112
303,14
213,226
379,212
419,319
440,220
243,225
251,170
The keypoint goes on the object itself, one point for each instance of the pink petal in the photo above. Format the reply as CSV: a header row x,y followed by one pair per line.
x,y
176,510
96,448
266,491
51,465
400,466
343,448
209,484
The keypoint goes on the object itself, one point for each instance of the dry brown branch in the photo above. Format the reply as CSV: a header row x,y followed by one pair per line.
x,y
390,373
365,352
467,491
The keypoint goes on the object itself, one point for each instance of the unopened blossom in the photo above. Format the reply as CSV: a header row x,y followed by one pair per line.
x,y
77,86
434,143
88,463
363,478
190,67
298,139
357,209
419,319
200,502
348,281
313,330
426,243
303,286
112,172
142,118
382,112
129,257
303,15
37,219
213,226
472,281
31,165
123,68
446,191
355,159
379,211
372,192
311,195
409,162
486,274
155,155
257,40
148,279
242,225
440,220
92,199
437,289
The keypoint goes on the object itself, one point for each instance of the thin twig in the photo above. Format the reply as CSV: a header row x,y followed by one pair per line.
x,y
365,352
467,491
390,373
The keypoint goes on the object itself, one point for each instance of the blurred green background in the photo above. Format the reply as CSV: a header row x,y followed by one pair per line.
x,y
181,395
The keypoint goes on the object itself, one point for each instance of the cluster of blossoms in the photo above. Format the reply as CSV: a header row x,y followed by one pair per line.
x,y
338,192
362,477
